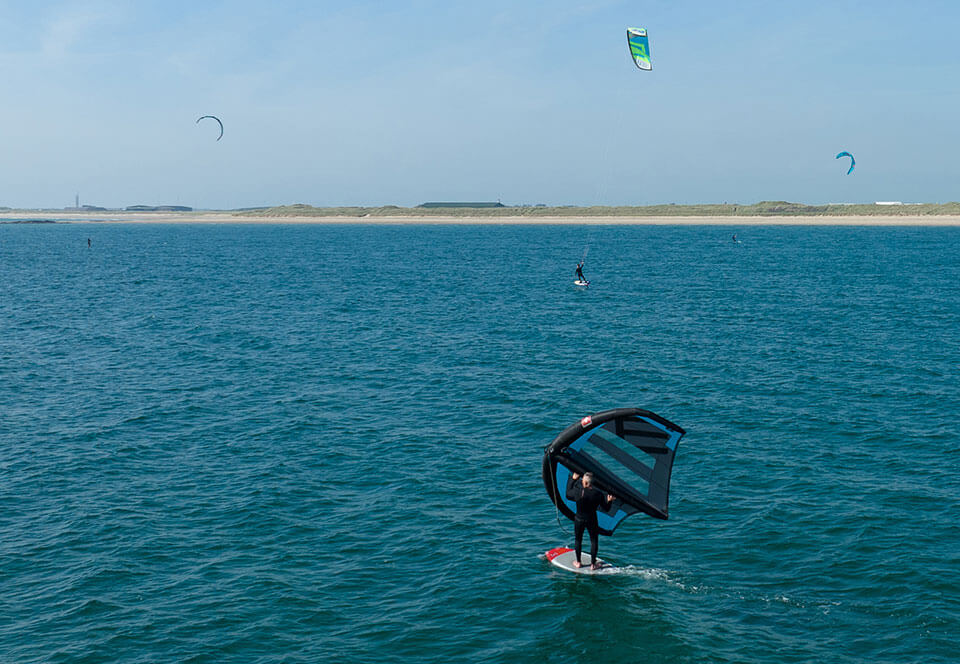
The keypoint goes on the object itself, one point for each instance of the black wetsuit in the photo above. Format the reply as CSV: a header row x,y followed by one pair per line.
x,y
588,502
580,272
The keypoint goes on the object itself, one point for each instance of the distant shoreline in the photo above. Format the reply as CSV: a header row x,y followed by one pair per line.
x,y
62,217
764,209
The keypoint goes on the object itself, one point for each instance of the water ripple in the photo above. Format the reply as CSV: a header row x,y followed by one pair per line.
x,y
285,444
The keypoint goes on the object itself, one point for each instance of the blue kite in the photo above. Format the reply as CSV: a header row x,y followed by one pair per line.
x,y
852,162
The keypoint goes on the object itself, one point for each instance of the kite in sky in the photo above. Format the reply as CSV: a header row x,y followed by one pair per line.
x,y
213,117
639,47
852,162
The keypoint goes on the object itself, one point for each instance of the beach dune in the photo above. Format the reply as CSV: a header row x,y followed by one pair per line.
x,y
263,217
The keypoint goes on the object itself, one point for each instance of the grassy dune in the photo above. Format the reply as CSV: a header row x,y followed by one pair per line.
x,y
762,209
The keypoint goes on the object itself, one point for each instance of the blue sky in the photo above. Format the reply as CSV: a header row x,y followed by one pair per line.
x,y
336,103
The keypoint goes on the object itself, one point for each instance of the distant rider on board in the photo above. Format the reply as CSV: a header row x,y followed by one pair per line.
x,y
580,276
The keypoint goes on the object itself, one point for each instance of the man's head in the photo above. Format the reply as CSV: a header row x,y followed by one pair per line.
x,y
587,480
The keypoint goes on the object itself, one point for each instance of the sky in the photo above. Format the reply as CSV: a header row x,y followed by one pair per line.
x,y
525,101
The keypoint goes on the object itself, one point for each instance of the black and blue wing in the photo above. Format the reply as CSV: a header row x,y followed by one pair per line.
x,y
630,452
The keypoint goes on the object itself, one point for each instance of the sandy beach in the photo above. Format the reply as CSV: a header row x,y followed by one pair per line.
x,y
217,217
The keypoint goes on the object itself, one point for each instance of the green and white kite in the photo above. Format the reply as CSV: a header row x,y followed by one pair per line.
x,y
639,47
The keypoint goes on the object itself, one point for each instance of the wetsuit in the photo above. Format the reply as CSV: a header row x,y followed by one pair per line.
x,y
580,272
588,502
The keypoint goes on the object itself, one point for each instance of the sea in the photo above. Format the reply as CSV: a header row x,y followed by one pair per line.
x,y
323,443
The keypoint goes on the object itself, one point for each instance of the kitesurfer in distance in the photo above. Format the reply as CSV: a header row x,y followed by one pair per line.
x,y
580,272
589,499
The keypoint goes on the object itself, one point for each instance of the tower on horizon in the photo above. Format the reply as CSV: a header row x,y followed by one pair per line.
x,y
77,201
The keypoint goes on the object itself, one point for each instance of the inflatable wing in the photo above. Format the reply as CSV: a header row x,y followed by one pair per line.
x,y
630,452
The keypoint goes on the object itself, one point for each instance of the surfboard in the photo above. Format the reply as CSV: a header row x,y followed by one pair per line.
x,y
563,558
581,283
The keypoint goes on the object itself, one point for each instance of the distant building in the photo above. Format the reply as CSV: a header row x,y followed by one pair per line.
x,y
158,208
458,204
888,203
85,208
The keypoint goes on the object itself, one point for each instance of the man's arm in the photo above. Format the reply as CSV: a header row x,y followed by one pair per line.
x,y
574,488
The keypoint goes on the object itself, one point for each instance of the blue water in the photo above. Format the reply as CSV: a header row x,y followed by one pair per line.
x,y
322,443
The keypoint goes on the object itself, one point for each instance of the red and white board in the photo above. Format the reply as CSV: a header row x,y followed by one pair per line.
x,y
563,558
